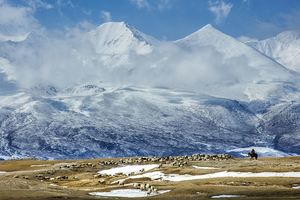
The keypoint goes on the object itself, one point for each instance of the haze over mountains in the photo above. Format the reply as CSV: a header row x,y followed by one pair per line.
x,y
115,91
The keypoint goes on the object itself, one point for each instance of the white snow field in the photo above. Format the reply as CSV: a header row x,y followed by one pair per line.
x,y
176,178
226,196
129,169
198,167
43,165
129,193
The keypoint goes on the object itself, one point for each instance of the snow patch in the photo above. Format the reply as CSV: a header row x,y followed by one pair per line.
x,y
128,169
224,174
226,196
44,165
198,167
131,193
152,175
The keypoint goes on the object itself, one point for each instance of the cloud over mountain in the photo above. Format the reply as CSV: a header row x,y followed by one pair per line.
x,y
220,9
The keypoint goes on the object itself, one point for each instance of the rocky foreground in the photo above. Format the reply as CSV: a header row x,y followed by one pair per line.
x,y
199,176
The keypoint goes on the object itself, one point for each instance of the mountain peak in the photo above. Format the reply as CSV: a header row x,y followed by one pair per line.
x,y
288,36
122,29
119,38
284,48
121,24
207,31
207,27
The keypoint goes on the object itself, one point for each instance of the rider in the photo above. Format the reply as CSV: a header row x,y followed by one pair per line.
x,y
253,154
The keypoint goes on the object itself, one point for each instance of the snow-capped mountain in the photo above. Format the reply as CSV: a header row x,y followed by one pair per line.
x,y
116,41
207,92
251,75
284,48
123,122
120,38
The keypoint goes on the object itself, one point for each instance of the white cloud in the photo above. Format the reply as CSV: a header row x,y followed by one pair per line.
x,y
16,21
164,4
13,38
61,4
10,15
154,5
140,3
68,57
220,9
36,4
105,16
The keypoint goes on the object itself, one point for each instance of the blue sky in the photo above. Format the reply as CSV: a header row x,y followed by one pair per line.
x,y
171,19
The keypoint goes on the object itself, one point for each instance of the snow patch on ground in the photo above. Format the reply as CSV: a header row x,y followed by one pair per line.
x,y
128,169
130,193
175,177
44,165
152,175
186,177
198,167
226,196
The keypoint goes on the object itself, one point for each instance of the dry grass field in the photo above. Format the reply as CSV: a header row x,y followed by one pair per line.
x,y
45,180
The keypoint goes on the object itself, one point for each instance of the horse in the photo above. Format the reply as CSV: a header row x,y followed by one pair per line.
x,y
253,155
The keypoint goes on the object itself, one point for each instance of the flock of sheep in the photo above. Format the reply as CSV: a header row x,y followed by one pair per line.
x,y
173,160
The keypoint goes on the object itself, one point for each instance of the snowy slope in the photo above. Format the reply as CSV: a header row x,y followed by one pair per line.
x,y
282,121
284,48
123,122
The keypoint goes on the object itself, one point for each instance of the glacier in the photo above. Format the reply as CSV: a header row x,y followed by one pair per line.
x,y
125,93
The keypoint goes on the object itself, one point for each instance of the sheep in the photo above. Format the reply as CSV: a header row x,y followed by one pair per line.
x,y
142,186
147,186
149,191
136,185
142,170
121,182
101,181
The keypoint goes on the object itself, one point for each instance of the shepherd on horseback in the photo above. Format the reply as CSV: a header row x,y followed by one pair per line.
x,y
253,154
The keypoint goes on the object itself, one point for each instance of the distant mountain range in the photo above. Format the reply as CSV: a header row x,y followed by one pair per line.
x,y
207,92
